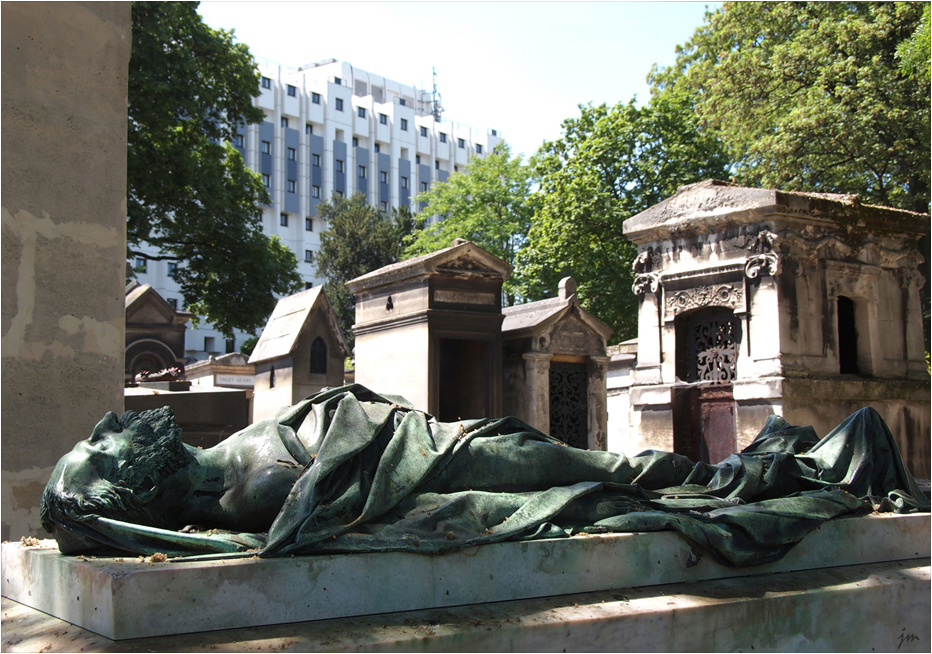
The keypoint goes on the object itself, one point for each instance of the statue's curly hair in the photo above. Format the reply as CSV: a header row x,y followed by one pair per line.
x,y
158,453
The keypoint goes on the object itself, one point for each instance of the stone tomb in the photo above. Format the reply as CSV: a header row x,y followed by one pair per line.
x,y
867,586
300,352
154,332
554,365
429,329
757,301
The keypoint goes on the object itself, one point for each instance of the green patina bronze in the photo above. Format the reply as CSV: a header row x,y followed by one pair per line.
x,y
348,470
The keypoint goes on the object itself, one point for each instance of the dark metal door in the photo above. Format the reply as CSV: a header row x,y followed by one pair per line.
x,y
569,411
704,415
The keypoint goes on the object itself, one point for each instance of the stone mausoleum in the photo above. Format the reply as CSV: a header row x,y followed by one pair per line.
x,y
154,332
554,365
430,329
758,302
301,351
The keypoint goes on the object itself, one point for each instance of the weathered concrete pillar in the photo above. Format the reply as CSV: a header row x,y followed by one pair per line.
x,y
64,236
537,389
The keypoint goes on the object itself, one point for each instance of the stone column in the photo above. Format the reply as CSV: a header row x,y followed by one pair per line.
x,y
64,236
597,369
647,370
537,389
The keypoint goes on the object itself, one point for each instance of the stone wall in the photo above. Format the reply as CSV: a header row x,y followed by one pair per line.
x,y
64,237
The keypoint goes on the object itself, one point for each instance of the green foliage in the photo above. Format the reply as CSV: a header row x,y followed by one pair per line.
x,y
358,240
189,193
813,96
249,345
609,164
487,203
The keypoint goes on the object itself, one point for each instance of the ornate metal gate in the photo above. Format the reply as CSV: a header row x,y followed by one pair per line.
x,y
713,351
568,403
707,343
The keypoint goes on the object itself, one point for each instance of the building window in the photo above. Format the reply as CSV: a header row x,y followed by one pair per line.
x,y
292,154
315,192
403,102
292,90
266,180
339,166
308,256
461,143
208,343
315,160
308,285
355,142
173,303
308,129
231,345
404,182
284,122
377,148
338,81
437,165
266,83
425,187
423,131
361,112
315,97
478,149
494,132
291,186
383,205
239,140
362,172
338,193
443,137
318,357
172,269
383,177
339,104
283,219
266,147
417,158
404,124
309,222
383,119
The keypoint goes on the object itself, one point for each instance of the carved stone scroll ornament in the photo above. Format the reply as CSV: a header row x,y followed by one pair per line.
x,y
645,282
763,259
719,295
644,278
767,264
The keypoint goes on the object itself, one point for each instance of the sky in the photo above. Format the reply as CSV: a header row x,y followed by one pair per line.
x,y
518,67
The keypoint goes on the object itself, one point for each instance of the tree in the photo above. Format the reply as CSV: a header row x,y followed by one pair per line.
x,y
609,164
487,203
358,240
189,193
813,96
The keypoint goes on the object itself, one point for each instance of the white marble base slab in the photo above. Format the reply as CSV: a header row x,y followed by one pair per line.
x,y
882,607
127,598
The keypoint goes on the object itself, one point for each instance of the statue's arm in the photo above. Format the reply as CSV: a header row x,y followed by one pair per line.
x,y
142,538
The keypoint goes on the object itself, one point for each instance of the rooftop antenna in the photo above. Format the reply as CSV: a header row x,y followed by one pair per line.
x,y
435,108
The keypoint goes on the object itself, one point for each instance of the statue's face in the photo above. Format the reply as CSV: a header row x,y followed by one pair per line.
x,y
99,459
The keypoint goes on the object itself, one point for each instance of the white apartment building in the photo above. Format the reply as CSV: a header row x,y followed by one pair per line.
x,y
332,129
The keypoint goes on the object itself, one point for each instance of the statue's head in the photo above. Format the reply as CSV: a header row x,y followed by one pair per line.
x,y
116,473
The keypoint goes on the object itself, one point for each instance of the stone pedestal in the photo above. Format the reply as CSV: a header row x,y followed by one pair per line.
x,y
132,598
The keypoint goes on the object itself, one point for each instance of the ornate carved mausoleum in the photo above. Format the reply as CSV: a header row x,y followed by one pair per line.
x,y
758,302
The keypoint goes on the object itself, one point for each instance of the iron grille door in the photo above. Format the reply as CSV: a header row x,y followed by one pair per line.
x,y
568,403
